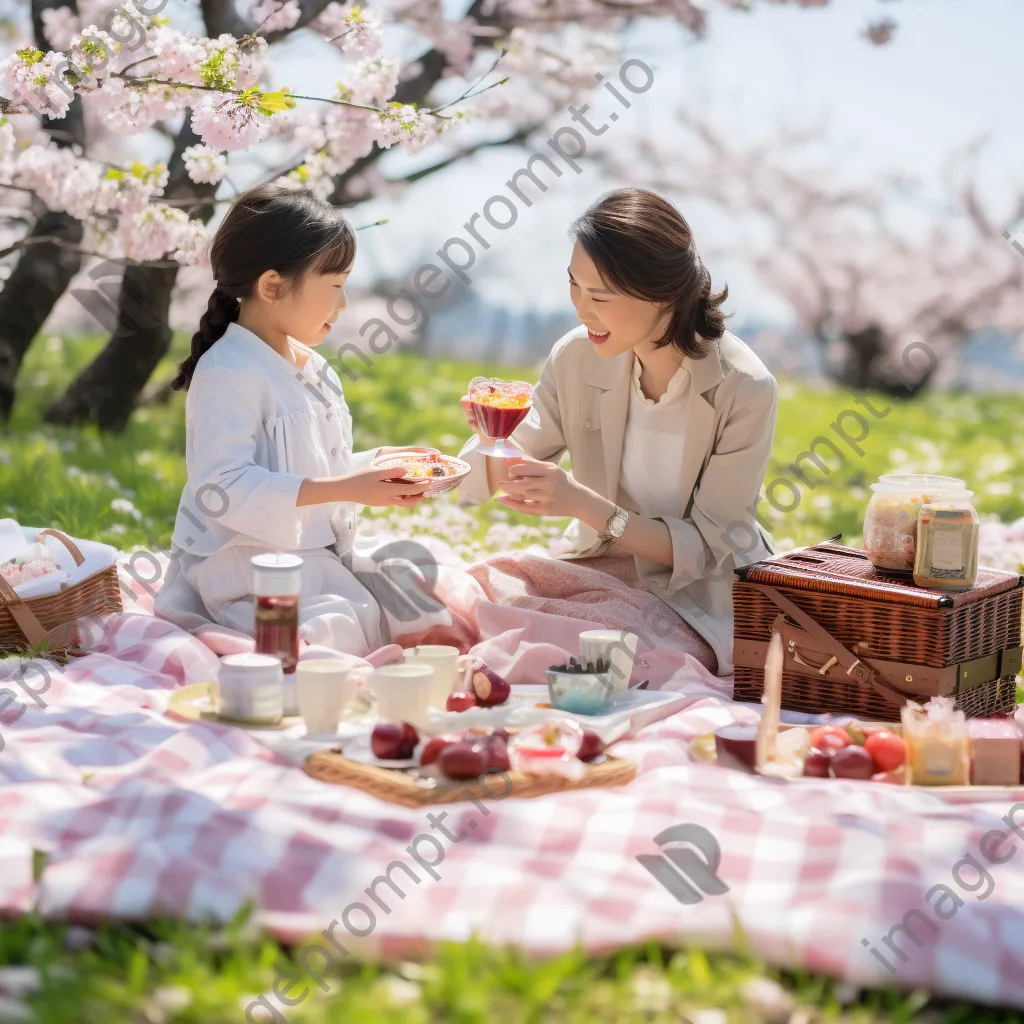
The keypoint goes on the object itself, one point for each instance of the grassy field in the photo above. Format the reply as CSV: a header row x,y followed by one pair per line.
x,y
125,489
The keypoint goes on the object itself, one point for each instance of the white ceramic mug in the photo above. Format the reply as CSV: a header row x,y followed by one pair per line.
x,y
404,692
324,686
618,646
449,668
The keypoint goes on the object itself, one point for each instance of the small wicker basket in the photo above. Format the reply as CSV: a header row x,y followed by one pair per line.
x,y
47,622
860,642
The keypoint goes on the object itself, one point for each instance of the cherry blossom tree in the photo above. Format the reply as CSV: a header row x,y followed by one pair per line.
x,y
199,73
889,278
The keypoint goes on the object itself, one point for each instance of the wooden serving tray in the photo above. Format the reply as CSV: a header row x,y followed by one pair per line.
x,y
410,789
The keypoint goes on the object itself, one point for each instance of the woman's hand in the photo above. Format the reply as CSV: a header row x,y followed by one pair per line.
x,y
378,488
540,488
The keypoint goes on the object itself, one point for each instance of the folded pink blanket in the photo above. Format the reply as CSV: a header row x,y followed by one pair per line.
x,y
522,612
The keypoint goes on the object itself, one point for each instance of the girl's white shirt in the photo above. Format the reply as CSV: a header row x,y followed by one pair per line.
x,y
255,427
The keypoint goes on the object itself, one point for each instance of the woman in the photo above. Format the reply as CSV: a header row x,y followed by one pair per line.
x,y
667,418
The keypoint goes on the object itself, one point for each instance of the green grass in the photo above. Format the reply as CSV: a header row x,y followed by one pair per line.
x,y
125,490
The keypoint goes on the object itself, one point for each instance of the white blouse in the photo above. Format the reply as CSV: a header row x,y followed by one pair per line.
x,y
255,427
652,451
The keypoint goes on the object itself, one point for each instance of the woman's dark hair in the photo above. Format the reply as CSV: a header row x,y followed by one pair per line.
x,y
642,246
269,227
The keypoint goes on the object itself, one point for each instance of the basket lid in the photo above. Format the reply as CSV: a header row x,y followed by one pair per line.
x,y
848,570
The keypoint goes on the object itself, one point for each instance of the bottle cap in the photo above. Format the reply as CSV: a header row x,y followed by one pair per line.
x,y
276,574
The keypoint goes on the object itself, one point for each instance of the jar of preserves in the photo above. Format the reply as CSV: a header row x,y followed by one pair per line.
x,y
276,583
948,537
890,522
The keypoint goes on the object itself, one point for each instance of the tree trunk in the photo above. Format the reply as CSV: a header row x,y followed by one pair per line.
x,y
43,271
107,390
867,368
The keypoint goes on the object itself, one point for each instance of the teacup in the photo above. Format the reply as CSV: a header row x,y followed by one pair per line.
x,y
617,646
449,667
404,692
324,686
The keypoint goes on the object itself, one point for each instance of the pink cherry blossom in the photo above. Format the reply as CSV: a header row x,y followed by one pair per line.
x,y
228,124
204,164
59,26
275,15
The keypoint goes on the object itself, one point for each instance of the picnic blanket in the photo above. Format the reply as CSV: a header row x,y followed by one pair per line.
x,y
139,814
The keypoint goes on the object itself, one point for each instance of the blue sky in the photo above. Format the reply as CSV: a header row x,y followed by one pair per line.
x,y
950,75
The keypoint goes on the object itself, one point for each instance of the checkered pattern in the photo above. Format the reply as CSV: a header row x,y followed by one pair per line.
x,y
139,814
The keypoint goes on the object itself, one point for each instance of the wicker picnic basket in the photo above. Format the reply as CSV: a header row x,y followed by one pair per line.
x,y
46,621
860,642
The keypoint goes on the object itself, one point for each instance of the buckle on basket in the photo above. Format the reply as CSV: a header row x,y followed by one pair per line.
x,y
1010,661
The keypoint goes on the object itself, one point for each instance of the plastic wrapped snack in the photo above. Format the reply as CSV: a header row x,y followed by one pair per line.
x,y
548,749
938,745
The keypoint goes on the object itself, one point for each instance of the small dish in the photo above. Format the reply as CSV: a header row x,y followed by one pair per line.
x,y
581,693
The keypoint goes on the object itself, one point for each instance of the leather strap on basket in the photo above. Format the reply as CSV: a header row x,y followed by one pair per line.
x,y
29,625
854,668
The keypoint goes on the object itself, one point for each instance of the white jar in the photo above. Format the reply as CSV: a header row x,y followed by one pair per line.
x,y
251,688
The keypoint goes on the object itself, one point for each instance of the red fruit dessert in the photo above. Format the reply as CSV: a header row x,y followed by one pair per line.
x,y
393,741
461,700
464,760
490,688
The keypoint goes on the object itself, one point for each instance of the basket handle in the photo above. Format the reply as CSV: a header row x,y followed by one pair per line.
x,y
856,669
66,541
30,626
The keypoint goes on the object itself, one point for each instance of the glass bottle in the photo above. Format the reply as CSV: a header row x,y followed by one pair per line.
x,y
276,584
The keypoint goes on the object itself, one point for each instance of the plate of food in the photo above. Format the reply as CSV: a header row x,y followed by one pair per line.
x,y
443,471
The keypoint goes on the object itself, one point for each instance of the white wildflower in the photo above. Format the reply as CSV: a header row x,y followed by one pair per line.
x,y
768,999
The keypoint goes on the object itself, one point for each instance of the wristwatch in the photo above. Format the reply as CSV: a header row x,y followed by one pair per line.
x,y
616,525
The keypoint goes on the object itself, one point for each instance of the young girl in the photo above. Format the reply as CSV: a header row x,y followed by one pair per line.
x,y
268,435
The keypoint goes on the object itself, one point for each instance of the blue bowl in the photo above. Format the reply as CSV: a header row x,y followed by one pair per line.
x,y
582,693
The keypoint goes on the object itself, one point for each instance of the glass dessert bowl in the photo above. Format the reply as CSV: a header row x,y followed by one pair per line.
x,y
499,406
444,471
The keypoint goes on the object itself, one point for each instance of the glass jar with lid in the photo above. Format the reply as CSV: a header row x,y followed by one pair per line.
x,y
890,522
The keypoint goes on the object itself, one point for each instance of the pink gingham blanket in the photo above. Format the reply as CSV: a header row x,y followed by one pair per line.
x,y
138,813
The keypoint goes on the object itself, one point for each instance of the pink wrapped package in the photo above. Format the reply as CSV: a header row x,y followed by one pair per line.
x,y
995,751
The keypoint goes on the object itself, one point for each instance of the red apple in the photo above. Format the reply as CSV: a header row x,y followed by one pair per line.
x,y
464,760
393,741
816,763
591,746
433,747
461,700
853,762
490,688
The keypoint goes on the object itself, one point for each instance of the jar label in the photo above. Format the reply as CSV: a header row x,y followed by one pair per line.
x,y
948,550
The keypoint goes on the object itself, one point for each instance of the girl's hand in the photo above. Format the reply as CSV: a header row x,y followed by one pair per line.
x,y
379,488
540,488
